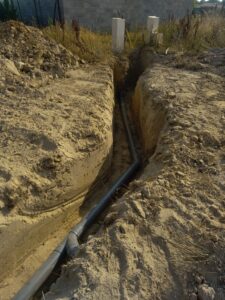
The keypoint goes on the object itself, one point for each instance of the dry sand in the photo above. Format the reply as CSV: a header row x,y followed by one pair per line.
x,y
164,238
56,143
48,134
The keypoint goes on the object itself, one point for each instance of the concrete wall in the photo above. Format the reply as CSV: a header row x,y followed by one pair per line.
x,y
97,14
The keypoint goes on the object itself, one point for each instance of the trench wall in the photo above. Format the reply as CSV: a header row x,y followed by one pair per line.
x,y
150,116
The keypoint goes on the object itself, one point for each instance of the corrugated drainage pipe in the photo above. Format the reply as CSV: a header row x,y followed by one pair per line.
x,y
71,244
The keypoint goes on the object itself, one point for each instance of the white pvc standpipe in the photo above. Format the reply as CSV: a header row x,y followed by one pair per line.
x,y
118,34
152,26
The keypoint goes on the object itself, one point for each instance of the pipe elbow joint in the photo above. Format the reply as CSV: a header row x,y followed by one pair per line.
x,y
72,245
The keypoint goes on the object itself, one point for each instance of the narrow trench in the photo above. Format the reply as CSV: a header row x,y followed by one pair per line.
x,y
125,82
121,160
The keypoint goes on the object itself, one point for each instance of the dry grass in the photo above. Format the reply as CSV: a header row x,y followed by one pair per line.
x,y
195,33
91,46
191,34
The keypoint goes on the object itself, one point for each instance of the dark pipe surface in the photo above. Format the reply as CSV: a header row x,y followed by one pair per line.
x,y
40,276
89,219
72,244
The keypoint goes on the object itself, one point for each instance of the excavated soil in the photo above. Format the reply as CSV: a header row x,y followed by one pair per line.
x,y
165,237
50,129
56,146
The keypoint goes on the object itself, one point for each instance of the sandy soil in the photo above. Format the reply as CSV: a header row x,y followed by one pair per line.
x,y
164,238
41,134
45,145
56,142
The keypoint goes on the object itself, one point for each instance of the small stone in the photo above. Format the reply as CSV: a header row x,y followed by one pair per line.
x,y
193,296
179,173
20,65
146,192
195,138
9,64
171,95
205,292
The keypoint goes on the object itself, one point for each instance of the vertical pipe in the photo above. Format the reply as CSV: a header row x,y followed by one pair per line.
x,y
152,27
118,34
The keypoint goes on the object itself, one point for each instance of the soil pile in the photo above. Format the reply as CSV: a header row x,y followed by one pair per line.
x,y
32,53
165,238
48,127
56,140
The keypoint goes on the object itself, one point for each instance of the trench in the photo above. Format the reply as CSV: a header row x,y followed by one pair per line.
x,y
71,214
30,258
120,162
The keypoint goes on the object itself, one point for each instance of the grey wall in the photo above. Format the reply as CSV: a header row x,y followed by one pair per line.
x,y
97,14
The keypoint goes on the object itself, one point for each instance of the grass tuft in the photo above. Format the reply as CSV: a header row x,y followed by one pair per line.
x,y
195,33
88,45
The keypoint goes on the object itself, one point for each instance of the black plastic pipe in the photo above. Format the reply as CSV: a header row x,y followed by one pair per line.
x,y
80,228
71,244
42,274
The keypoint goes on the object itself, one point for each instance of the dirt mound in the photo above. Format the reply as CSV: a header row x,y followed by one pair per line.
x,y
48,137
164,239
56,137
33,53
48,123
